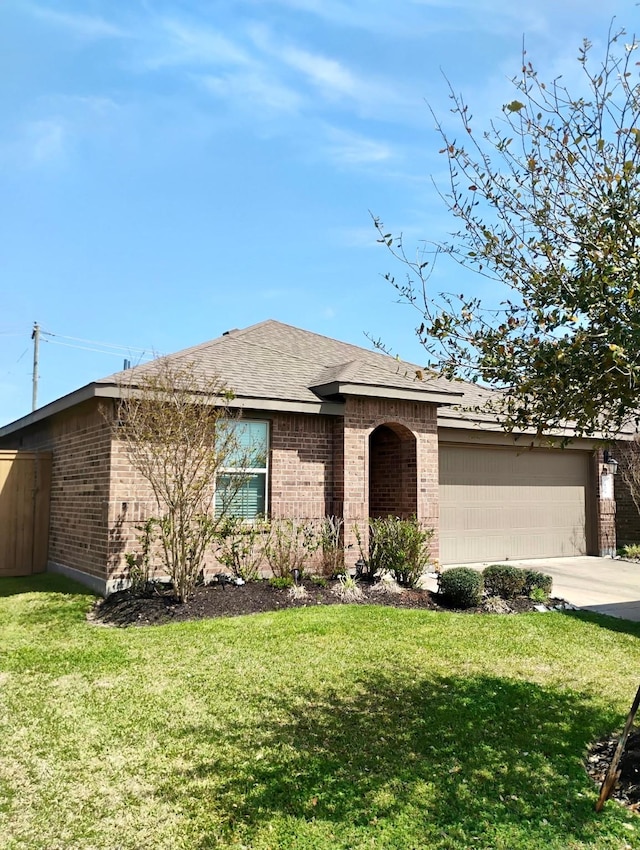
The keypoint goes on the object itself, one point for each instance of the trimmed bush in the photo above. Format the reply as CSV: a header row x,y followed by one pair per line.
x,y
504,581
538,581
461,587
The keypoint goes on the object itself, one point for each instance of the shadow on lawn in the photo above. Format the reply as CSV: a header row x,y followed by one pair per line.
x,y
453,756
41,583
606,621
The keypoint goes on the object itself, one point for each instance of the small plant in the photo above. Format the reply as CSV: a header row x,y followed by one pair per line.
x,y
504,581
319,581
538,595
538,581
298,591
289,545
331,545
139,566
348,589
461,587
281,582
240,547
632,551
400,547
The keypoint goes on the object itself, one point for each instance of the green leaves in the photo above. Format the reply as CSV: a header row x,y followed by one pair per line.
x,y
548,213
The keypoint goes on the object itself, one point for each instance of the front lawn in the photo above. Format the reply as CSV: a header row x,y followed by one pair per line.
x,y
327,727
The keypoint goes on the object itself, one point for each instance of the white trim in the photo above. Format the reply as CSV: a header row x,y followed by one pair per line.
x,y
251,470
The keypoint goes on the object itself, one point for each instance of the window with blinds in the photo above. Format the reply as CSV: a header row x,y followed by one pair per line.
x,y
241,487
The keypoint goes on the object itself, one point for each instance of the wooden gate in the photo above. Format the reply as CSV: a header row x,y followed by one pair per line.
x,y
25,480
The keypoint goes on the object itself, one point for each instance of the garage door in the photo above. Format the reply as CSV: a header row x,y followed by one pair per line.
x,y
500,503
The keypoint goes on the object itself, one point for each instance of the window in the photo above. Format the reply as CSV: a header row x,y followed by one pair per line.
x,y
241,488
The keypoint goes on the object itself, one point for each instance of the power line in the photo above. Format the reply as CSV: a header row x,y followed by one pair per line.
x,y
141,351
95,342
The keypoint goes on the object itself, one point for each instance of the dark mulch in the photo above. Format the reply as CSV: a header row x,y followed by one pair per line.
x,y
627,788
158,606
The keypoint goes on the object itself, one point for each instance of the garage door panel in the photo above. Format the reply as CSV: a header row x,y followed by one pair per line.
x,y
497,504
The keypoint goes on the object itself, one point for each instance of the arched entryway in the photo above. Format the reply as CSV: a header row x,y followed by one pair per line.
x,y
393,482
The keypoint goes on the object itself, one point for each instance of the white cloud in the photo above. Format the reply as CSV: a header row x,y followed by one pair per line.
x,y
254,89
334,80
327,74
352,149
45,140
190,45
82,26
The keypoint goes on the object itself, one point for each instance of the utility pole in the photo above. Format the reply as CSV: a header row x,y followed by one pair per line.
x,y
35,336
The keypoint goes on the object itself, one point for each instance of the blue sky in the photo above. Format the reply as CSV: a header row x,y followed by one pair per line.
x,y
170,169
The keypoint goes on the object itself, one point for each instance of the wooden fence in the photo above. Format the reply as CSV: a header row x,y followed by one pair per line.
x,y
25,481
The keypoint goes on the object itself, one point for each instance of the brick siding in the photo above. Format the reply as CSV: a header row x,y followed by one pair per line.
x,y
79,440
380,458
362,417
605,509
627,515
301,466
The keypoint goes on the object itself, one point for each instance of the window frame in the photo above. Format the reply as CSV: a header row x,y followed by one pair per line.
x,y
249,470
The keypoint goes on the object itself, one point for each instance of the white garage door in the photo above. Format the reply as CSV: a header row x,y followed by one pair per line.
x,y
501,503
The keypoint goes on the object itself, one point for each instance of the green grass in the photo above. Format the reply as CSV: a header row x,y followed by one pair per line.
x,y
327,727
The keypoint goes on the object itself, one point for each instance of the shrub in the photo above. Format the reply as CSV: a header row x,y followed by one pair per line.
x,y
461,587
319,581
331,545
632,550
504,581
139,566
400,547
281,582
240,546
537,581
289,545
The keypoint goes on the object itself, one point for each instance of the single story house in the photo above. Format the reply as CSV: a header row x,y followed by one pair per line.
x,y
350,432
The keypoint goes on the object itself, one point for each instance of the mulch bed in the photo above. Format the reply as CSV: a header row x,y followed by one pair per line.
x,y
158,606
627,788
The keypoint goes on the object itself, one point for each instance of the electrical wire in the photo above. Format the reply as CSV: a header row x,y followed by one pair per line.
x,y
128,348
141,351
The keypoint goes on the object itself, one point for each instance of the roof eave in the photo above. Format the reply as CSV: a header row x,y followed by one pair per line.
x,y
342,388
58,406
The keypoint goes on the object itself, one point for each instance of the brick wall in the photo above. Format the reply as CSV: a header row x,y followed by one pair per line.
x,y
300,484
362,416
392,472
79,440
605,527
627,515
302,466
98,499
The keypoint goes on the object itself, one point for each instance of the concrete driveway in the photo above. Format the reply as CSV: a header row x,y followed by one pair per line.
x,y
603,585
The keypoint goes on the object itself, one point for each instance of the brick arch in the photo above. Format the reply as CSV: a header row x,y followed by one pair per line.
x,y
393,479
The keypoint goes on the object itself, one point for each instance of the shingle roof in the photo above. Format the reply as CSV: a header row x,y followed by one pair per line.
x,y
275,361
276,366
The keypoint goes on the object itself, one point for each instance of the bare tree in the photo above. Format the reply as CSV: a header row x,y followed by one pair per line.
x,y
178,433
